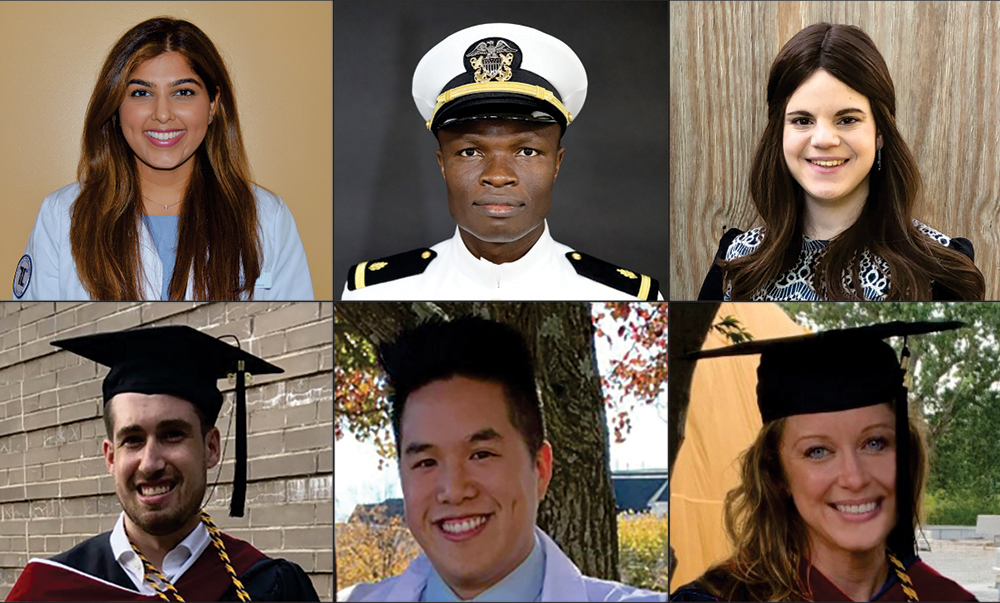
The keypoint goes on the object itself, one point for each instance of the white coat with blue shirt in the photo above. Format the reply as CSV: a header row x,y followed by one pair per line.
x,y
47,270
562,582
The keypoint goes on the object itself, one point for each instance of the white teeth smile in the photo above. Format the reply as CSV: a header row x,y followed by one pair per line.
x,y
463,525
147,491
164,135
834,163
857,509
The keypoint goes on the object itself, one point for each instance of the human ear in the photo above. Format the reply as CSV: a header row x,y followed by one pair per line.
x,y
543,463
212,448
559,158
440,157
108,448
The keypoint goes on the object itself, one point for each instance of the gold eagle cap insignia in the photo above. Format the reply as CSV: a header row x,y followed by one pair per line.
x,y
378,266
491,60
627,273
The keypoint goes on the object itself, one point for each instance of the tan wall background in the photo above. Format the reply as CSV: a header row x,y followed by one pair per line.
x,y
55,490
723,401
944,58
280,58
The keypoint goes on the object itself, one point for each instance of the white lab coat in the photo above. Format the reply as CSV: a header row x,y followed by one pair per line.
x,y
563,582
284,273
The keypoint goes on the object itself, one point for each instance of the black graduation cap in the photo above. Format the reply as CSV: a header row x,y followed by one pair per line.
x,y
839,370
180,361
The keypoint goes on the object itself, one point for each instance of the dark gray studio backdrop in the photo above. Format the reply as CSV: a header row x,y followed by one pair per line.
x,y
610,199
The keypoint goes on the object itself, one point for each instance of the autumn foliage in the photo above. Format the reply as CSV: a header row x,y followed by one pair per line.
x,y
639,375
643,550
373,551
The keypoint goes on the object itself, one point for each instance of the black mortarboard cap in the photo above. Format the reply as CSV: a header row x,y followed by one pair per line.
x,y
180,361
838,370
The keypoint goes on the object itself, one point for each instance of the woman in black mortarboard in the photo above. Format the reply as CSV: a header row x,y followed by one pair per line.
x,y
829,497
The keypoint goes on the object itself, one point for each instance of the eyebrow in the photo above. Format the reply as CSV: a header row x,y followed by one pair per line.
x,y
837,114
161,426
483,435
872,427
518,138
186,80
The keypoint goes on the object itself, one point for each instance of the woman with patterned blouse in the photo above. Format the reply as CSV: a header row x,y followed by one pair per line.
x,y
835,185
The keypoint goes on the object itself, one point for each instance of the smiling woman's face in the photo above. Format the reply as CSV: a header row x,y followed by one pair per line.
x,y
165,113
841,472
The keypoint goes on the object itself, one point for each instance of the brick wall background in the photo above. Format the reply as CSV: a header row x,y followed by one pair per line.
x,y
55,490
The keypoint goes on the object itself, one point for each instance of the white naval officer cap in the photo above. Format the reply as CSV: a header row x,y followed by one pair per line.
x,y
499,71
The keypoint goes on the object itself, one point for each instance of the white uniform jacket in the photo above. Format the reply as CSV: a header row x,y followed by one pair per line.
x,y
546,272
47,270
563,582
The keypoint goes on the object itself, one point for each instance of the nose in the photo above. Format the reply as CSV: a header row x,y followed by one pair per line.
x,y
152,458
454,486
854,473
825,136
162,109
498,172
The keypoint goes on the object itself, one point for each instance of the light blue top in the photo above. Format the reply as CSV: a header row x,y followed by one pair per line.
x,y
47,270
522,584
164,231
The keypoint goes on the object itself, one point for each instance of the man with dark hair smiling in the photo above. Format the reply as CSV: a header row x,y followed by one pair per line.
x,y
160,405
474,465
499,98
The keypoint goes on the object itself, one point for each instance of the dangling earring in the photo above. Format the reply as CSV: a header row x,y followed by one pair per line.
x,y
880,159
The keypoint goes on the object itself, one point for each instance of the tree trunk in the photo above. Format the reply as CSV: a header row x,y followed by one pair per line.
x,y
689,326
578,511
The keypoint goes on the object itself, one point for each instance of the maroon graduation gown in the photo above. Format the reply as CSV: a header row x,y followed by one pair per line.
x,y
89,572
929,585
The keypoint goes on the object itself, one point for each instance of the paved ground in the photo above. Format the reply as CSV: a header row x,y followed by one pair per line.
x,y
968,562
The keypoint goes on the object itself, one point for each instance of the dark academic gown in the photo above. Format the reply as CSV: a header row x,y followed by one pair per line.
x,y
89,572
929,585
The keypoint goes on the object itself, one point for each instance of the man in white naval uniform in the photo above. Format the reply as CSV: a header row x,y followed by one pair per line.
x,y
499,98
474,465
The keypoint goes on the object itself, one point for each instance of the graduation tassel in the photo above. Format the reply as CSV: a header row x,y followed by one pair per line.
x,y
904,502
240,470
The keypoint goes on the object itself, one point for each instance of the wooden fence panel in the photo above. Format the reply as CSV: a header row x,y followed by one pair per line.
x,y
944,58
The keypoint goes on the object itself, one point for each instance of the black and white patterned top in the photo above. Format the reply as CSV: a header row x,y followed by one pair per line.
x,y
796,283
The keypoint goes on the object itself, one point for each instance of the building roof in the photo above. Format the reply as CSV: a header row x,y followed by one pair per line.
x,y
377,512
637,490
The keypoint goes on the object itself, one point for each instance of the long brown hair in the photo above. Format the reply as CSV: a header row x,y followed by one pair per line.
x,y
885,226
766,531
218,238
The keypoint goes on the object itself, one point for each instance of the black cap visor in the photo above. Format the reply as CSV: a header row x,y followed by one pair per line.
x,y
497,105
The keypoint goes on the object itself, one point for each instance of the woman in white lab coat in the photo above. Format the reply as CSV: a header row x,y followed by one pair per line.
x,y
164,207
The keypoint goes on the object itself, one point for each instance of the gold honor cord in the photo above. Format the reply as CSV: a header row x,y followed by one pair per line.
x,y
905,582
161,589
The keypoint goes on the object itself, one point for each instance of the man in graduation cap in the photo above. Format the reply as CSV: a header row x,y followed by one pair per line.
x,y
499,98
161,402
828,501
474,465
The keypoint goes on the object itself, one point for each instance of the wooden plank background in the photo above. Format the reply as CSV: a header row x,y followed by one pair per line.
x,y
944,58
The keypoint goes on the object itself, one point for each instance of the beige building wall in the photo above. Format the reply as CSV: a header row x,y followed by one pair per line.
x,y
280,58
55,490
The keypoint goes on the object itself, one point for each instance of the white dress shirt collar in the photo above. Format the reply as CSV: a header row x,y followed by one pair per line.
x,y
488,274
175,563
